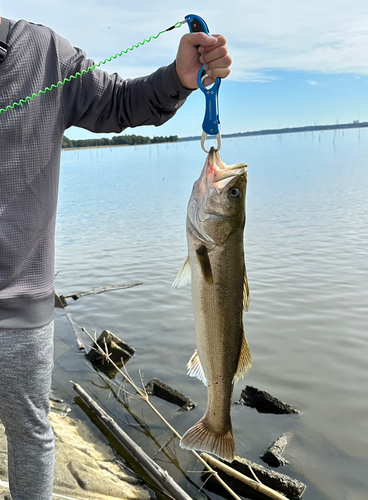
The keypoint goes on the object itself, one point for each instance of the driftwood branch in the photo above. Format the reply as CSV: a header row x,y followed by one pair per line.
x,y
61,302
154,470
96,291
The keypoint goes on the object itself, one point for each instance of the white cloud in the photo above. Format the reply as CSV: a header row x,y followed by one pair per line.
x,y
292,35
317,36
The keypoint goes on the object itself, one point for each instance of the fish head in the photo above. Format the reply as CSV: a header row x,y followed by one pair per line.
x,y
217,204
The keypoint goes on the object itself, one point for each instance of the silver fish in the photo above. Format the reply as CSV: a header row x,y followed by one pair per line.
x,y
216,268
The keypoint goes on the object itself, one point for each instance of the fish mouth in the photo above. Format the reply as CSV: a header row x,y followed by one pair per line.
x,y
217,171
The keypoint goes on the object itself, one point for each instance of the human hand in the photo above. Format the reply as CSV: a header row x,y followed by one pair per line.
x,y
196,49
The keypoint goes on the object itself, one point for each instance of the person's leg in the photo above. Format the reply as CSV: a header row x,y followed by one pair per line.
x,y
26,362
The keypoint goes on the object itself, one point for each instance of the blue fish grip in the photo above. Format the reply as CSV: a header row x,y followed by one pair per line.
x,y
211,120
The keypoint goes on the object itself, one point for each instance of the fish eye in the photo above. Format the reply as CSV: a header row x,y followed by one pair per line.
x,y
235,193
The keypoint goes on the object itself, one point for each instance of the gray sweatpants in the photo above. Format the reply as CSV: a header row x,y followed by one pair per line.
x,y
26,362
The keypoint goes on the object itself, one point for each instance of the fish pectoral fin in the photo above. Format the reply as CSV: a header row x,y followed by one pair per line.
x,y
195,368
204,262
184,275
245,292
245,360
201,437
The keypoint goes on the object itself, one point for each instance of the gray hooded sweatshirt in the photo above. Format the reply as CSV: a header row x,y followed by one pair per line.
x,y
30,148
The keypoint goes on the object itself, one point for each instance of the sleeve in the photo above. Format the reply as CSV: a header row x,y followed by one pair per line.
x,y
100,102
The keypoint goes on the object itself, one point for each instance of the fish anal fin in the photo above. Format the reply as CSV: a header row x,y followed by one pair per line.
x,y
201,438
245,360
245,292
204,262
195,368
184,275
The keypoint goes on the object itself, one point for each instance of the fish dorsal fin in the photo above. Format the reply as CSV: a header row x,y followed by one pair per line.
x,y
184,275
245,292
195,368
245,360
204,262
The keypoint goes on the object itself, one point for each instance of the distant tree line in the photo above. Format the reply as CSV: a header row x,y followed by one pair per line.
x,y
118,140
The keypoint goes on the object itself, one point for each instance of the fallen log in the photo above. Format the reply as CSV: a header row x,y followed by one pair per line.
x,y
273,454
155,471
157,388
263,402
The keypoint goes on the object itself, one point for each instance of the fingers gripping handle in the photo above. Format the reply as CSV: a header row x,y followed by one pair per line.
x,y
211,122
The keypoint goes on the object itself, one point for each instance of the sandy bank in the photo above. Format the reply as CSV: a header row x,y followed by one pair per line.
x,y
85,467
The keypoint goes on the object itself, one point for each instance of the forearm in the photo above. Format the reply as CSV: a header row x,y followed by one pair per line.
x,y
106,103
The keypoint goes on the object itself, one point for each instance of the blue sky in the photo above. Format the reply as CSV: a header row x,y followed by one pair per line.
x,y
295,63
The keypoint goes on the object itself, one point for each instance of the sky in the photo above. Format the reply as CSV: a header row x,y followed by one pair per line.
x,y
295,63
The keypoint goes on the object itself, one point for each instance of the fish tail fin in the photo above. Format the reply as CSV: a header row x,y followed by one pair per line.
x,y
200,437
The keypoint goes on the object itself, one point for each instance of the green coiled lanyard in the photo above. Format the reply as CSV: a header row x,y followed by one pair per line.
x,y
83,72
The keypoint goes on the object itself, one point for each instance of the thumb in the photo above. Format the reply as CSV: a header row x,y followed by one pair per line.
x,y
200,39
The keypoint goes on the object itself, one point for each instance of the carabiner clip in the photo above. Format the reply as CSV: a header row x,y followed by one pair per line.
x,y
203,141
211,122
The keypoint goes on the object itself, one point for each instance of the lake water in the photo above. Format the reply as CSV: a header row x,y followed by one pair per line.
x,y
121,219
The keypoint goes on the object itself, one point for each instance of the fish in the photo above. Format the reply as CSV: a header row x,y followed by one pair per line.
x,y
220,293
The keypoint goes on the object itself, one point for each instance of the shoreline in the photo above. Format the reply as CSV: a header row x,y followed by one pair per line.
x,y
291,130
100,147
